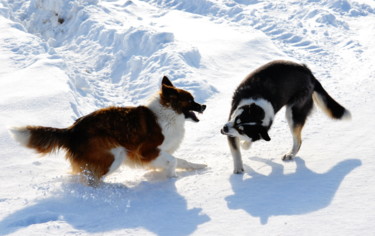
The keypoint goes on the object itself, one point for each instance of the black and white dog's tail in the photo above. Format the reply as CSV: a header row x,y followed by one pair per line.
x,y
325,102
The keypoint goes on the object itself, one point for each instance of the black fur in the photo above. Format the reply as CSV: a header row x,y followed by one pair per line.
x,y
281,83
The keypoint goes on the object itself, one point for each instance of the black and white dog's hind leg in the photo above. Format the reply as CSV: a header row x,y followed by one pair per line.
x,y
236,154
296,116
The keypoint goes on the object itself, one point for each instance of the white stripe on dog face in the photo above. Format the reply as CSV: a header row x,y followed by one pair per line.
x,y
236,113
267,120
264,104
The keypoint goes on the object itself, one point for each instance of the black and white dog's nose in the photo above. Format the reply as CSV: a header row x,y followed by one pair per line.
x,y
225,129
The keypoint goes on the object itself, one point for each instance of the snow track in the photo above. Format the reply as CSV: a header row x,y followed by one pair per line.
x,y
304,30
105,47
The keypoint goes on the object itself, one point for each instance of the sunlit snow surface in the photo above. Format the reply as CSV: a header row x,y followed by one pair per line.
x,y
61,59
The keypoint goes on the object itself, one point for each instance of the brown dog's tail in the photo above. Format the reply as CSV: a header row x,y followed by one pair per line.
x,y
42,139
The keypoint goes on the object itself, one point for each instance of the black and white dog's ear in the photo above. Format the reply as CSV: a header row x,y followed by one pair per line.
x,y
263,133
166,81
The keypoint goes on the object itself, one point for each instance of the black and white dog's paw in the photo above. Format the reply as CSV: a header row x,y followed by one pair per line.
x,y
238,170
288,157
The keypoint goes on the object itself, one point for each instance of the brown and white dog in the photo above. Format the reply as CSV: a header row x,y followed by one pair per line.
x,y
98,143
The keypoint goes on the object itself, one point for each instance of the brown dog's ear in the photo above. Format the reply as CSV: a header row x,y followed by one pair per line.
x,y
166,81
169,92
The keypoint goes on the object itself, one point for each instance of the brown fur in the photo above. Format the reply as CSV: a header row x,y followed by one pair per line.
x,y
89,140
175,98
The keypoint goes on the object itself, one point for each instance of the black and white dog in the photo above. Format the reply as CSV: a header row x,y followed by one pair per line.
x,y
263,93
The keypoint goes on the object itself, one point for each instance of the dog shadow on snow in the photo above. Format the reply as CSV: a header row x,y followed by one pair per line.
x,y
153,205
278,194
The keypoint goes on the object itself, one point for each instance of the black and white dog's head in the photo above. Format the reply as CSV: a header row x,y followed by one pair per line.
x,y
250,121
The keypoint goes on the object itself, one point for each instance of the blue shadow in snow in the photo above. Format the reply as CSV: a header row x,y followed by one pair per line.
x,y
154,206
277,194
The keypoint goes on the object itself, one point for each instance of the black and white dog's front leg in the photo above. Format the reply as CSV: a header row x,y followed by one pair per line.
x,y
236,154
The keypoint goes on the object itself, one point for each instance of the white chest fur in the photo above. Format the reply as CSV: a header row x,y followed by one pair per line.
x,y
171,123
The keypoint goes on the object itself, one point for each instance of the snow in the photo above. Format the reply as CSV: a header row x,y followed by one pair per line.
x,y
63,59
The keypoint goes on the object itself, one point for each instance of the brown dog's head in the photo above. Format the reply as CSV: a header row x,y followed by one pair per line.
x,y
181,101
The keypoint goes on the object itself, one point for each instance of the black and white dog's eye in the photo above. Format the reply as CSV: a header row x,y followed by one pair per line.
x,y
241,128
238,121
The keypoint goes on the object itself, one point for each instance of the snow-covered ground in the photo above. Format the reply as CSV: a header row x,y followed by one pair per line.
x,y
62,59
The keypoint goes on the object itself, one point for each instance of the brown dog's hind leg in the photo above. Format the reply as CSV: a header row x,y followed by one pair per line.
x,y
92,166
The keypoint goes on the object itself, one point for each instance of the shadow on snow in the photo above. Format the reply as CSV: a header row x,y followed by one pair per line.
x,y
155,206
277,194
